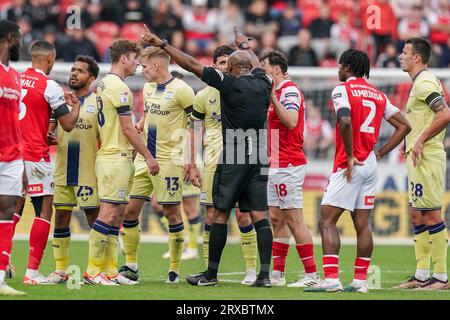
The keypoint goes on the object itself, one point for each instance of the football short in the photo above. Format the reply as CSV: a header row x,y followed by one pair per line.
x,y
11,178
284,187
359,193
189,190
114,177
426,181
242,183
41,181
206,196
86,197
167,184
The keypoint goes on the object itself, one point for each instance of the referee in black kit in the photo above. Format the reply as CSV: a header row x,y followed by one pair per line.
x,y
245,97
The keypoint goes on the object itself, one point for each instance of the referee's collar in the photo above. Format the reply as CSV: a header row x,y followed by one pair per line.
x,y
415,77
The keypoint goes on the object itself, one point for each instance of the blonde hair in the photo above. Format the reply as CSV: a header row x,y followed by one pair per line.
x,y
151,52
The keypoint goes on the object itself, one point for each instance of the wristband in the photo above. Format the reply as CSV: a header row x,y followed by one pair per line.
x,y
244,46
163,44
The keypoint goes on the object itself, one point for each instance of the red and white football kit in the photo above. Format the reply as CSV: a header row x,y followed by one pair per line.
x,y
40,96
368,106
11,163
287,159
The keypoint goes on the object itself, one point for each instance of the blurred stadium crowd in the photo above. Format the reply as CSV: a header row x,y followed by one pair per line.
x,y
310,32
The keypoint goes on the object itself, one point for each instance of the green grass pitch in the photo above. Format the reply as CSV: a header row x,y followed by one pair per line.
x,y
396,264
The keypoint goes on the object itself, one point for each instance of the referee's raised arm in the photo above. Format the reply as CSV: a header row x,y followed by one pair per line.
x,y
185,61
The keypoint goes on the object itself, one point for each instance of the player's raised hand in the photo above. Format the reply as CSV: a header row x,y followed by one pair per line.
x,y
238,37
195,176
152,165
417,152
350,165
149,38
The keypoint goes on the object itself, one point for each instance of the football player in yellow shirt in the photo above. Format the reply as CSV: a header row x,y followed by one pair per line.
x,y
75,181
168,102
207,115
429,115
114,165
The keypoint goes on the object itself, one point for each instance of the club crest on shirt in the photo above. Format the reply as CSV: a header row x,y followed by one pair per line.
x,y
90,109
124,97
169,95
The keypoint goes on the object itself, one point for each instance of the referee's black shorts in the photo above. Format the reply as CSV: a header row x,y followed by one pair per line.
x,y
242,183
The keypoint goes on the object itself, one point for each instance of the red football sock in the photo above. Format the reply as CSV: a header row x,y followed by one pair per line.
x,y
6,234
331,266
16,219
279,254
306,254
38,241
361,267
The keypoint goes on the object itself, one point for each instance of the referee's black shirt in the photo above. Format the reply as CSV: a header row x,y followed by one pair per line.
x,y
244,103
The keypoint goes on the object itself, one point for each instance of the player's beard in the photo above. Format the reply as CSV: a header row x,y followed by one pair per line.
x,y
14,53
76,86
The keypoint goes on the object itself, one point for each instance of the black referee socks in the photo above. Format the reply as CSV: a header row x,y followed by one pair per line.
x,y
217,240
264,238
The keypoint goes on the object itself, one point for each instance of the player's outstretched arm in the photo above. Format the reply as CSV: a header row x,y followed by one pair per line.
x,y
133,138
402,128
185,61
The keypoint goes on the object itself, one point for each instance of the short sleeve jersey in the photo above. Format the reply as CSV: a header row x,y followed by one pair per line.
x,y
77,150
10,139
426,91
40,96
207,109
167,107
114,99
286,146
244,105
368,106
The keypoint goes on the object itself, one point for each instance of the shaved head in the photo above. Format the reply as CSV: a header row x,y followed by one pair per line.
x,y
239,63
241,58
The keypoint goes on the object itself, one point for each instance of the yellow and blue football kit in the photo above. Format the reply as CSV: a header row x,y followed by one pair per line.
x,y
167,108
114,165
75,181
207,109
426,180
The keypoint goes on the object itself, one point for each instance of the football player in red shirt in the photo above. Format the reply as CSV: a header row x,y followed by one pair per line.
x,y
40,97
360,109
11,161
286,121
